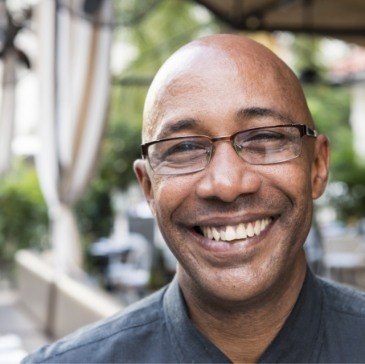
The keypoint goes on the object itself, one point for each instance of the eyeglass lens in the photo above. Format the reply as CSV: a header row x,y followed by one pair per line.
x,y
192,154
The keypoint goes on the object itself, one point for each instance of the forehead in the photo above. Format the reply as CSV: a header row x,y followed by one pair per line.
x,y
205,83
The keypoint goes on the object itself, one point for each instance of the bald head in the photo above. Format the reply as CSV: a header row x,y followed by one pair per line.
x,y
205,62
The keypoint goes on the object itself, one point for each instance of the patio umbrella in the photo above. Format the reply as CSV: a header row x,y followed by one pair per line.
x,y
344,19
75,41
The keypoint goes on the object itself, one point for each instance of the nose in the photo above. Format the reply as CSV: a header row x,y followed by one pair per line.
x,y
227,176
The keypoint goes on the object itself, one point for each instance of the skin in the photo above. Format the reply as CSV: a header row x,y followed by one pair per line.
x,y
239,294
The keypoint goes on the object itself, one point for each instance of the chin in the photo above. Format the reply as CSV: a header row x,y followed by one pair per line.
x,y
243,285
226,285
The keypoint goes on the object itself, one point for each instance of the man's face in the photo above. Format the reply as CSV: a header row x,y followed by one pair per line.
x,y
211,97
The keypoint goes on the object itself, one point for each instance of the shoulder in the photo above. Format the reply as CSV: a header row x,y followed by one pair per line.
x,y
343,299
344,313
343,322
98,342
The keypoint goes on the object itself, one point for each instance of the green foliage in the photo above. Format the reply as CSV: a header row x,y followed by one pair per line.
x,y
94,212
23,218
330,108
307,51
351,203
120,149
171,24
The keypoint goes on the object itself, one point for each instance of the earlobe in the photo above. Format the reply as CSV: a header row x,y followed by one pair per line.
x,y
144,181
320,166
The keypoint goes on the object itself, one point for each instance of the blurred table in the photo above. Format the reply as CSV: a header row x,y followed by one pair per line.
x,y
124,262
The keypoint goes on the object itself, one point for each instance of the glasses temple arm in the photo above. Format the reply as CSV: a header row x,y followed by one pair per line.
x,y
310,132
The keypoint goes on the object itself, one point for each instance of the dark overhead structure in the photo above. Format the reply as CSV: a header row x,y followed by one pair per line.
x,y
343,19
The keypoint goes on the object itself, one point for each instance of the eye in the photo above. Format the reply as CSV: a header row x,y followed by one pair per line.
x,y
263,136
183,149
263,141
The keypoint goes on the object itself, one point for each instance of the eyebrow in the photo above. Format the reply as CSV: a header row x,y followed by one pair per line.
x,y
180,125
254,112
242,114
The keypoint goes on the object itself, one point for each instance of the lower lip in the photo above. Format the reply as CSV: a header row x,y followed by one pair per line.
x,y
234,246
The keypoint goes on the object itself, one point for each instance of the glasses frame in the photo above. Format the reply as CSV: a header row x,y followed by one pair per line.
x,y
304,130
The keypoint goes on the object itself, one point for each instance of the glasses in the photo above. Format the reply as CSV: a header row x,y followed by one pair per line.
x,y
257,146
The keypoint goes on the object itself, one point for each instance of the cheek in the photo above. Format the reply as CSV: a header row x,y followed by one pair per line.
x,y
171,195
300,185
170,192
293,181
294,177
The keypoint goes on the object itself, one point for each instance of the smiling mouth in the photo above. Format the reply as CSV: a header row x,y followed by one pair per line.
x,y
234,232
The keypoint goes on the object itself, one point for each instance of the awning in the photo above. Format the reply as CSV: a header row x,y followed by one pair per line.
x,y
343,19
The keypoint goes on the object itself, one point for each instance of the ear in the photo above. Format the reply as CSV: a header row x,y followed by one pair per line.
x,y
144,180
320,166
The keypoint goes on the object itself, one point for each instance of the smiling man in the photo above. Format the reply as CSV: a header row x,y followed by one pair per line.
x,y
231,165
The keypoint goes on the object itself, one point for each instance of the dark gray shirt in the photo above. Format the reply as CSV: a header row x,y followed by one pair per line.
x,y
327,324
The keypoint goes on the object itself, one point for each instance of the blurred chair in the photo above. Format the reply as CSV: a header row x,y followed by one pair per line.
x,y
133,274
142,225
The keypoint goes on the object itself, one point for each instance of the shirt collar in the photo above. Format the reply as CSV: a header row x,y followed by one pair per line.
x,y
297,341
189,344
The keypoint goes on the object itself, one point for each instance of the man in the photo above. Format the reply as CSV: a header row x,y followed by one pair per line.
x,y
231,164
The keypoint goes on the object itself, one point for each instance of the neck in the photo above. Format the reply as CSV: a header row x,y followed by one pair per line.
x,y
243,331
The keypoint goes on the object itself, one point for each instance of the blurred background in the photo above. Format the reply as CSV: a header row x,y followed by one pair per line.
x,y
77,241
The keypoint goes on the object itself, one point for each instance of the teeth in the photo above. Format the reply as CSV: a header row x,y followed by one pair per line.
x,y
223,234
241,231
230,233
215,233
209,233
250,231
257,227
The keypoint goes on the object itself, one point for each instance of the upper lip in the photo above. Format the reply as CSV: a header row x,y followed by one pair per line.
x,y
225,220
